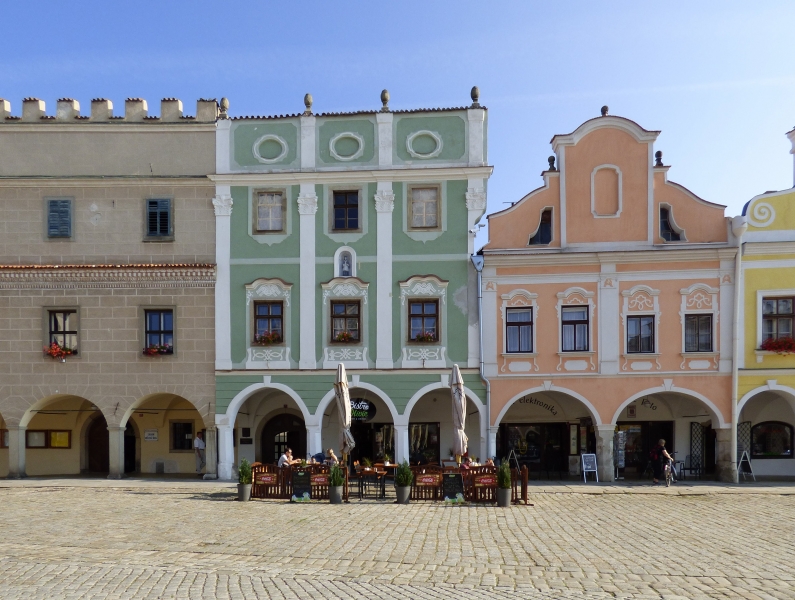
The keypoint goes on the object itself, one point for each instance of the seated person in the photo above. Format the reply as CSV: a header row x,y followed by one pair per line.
x,y
489,462
287,459
331,458
318,458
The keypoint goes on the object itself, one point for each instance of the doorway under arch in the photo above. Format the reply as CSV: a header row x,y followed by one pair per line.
x,y
98,444
281,432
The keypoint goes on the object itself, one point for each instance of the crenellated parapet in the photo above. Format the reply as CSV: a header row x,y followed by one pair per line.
x,y
136,110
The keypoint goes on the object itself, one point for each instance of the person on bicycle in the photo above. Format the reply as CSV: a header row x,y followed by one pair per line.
x,y
659,457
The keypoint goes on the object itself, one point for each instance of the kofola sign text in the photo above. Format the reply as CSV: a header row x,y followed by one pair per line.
x,y
530,400
362,410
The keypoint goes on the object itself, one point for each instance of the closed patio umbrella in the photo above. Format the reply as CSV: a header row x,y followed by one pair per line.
x,y
343,397
459,412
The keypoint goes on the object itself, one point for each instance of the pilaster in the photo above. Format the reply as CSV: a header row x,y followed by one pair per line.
x,y
476,206
307,207
211,453
384,205
222,203
604,452
491,320
222,145
477,150
608,341
491,450
384,120
307,143
726,315
16,452
116,452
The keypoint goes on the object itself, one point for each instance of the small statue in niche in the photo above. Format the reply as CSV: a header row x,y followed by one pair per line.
x,y
345,265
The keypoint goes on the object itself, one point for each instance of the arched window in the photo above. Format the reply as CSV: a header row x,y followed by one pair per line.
x,y
667,232
771,439
543,234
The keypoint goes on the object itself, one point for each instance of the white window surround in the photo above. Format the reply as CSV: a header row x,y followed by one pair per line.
x,y
418,356
276,356
641,300
270,138
353,356
410,200
518,299
594,212
425,235
700,299
337,263
265,237
760,294
671,222
575,296
328,213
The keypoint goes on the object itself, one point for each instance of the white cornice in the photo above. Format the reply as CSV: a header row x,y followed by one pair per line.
x,y
630,127
521,257
103,181
352,176
768,248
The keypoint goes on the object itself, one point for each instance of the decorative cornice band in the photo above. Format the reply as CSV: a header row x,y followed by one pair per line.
x,y
110,276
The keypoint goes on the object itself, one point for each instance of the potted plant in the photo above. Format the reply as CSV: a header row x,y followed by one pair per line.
x,y
403,479
336,483
425,336
268,338
155,349
58,352
504,484
387,460
782,345
244,481
367,463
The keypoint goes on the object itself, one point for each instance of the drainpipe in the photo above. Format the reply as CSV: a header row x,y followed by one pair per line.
x,y
477,262
739,226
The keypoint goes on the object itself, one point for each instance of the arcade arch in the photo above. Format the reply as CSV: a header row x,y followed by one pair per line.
x,y
766,427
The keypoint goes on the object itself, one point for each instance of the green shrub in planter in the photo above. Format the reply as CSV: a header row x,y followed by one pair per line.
x,y
504,475
244,472
403,475
336,477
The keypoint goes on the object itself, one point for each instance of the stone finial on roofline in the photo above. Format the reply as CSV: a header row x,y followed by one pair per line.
x,y
68,109
551,161
658,156
5,109
604,110
101,109
135,109
170,110
223,112
385,100
32,109
475,95
308,100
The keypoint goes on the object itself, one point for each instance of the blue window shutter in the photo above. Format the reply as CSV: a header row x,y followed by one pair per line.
x,y
59,218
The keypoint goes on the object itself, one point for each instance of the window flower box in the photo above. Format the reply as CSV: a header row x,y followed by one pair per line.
x,y
57,352
267,339
345,337
782,345
156,350
425,337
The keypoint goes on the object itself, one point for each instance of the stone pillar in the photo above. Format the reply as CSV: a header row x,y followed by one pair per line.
x,y
116,450
222,204
16,452
211,441
726,468
314,440
226,451
307,207
492,446
604,452
402,443
384,205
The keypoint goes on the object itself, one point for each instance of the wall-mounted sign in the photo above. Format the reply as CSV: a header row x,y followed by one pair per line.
x,y
362,410
428,480
150,435
536,402
489,481
319,479
266,479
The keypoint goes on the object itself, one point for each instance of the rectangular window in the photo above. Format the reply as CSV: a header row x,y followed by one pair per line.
x,y
424,321
3,438
182,436
158,218
270,211
698,333
160,330
776,318
345,321
424,208
63,328
346,211
35,439
640,335
59,439
59,218
575,328
268,322
519,330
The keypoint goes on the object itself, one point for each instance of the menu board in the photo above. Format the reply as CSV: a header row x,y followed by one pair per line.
x,y
588,463
266,479
489,480
302,485
427,479
452,486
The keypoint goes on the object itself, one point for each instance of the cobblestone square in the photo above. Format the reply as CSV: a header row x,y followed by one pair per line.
x,y
193,540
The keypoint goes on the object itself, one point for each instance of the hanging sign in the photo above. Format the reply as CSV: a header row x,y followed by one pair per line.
x,y
362,410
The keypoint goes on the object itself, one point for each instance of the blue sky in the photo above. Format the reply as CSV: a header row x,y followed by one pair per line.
x,y
718,78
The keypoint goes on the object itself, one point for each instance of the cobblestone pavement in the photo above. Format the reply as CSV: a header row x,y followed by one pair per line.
x,y
195,541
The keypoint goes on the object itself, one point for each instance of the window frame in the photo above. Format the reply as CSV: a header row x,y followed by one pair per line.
x,y
4,438
410,201
544,211
162,332
698,317
776,317
255,212
519,326
639,336
270,317
777,457
345,301
172,435
436,315
48,439
347,192
50,311
159,237
47,201
586,322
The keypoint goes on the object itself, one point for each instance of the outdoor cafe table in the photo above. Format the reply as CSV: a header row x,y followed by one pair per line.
x,y
368,477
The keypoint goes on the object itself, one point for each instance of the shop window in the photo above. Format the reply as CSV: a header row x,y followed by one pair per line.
x,y
59,439
59,218
48,438
35,439
776,318
424,208
345,322
519,330
159,221
63,329
640,334
575,328
543,235
424,443
698,333
423,320
346,211
270,212
667,231
182,436
771,440
159,332
3,438
268,323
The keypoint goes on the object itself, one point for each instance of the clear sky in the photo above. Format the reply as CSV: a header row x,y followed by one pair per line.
x,y
718,78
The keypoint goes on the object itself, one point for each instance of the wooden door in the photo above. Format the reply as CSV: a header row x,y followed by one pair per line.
x,y
98,446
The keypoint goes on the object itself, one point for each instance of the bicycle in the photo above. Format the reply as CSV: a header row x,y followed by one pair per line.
x,y
670,472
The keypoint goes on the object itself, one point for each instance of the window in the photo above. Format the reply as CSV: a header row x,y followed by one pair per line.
x,y
345,322
544,234
776,318
63,328
346,211
48,438
270,211
3,438
698,333
59,218
268,322
182,436
160,329
35,439
666,230
771,440
424,208
158,218
59,439
423,320
575,328
279,445
640,334
519,330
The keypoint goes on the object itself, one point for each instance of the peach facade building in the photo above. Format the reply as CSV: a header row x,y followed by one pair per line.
x,y
608,296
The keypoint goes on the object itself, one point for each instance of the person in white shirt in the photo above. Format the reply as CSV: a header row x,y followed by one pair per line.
x,y
286,459
199,450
